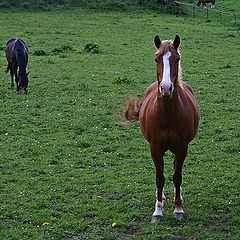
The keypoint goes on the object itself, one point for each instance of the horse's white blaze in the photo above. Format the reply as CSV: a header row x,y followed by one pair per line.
x,y
166,80
158,209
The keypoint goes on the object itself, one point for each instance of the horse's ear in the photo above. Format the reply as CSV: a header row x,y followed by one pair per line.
x,y
157,41
176,42
28,73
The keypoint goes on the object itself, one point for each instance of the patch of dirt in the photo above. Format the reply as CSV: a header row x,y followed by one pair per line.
x,y
130,231
218,225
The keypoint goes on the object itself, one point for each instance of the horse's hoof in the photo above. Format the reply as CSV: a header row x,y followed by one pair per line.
x,y
178,216
155,219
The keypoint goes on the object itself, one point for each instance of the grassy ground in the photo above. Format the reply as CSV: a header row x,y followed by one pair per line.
x,y
70,169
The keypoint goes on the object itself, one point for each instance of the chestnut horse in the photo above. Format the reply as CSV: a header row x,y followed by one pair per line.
x,y
203,2
17,57
169,117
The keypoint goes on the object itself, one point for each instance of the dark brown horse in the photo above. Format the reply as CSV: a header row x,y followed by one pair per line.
x,y
17,57
203,2
169,116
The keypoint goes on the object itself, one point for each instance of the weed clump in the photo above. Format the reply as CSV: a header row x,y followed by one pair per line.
x,y
121,80
91,48
39,53
63,49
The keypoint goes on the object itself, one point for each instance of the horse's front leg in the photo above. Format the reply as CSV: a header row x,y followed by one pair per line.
x,y
157,157
17,84
177,180
16,78
12,84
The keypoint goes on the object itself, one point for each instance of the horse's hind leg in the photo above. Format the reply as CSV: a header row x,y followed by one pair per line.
x,y
10,68
11,73
16,78
157,157
177,180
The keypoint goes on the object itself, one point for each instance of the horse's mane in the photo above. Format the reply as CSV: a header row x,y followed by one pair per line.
x,y
166,46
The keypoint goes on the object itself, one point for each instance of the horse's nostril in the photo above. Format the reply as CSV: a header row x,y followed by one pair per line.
x,y
170,88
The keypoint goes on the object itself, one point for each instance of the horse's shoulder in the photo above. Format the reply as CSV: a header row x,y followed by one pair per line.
x,y
150,89
187,87
190,96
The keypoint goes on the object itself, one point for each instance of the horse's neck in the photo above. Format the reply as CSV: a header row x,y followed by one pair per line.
x,y
22,71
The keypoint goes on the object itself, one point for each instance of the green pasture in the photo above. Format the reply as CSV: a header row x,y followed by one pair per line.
x,y
70,167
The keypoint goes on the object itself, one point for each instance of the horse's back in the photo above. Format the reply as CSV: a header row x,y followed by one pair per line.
x,y
11,41
192,106
151,88
16,51
146,113
9,50
149,95
16,43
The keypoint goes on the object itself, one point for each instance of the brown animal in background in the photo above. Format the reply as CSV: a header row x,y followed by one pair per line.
x,y
203,2
169,117
17,57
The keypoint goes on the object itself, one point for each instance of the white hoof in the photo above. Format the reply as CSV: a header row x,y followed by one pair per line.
x,y
158,213
155,219
178,213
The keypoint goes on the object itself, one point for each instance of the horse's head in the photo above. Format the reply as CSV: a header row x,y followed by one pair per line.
x,y
23,80
167,60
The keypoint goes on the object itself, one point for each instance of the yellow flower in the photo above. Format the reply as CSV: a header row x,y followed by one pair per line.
x,y
114,224
45,223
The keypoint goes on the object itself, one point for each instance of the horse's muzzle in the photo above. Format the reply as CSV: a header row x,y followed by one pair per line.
x,y
166,90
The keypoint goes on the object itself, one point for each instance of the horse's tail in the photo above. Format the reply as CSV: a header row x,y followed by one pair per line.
x,y
132,108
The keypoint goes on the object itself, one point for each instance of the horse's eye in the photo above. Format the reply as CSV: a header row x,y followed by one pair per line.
x,y
156,60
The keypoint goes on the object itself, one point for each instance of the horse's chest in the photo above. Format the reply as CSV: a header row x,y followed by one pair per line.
x,y
170,120
171,130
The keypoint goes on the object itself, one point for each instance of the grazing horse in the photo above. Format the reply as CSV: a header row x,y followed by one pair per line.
x,y
203,2
169,117
17,57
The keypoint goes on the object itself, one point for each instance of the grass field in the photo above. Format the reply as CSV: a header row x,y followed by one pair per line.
x,y
70,168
